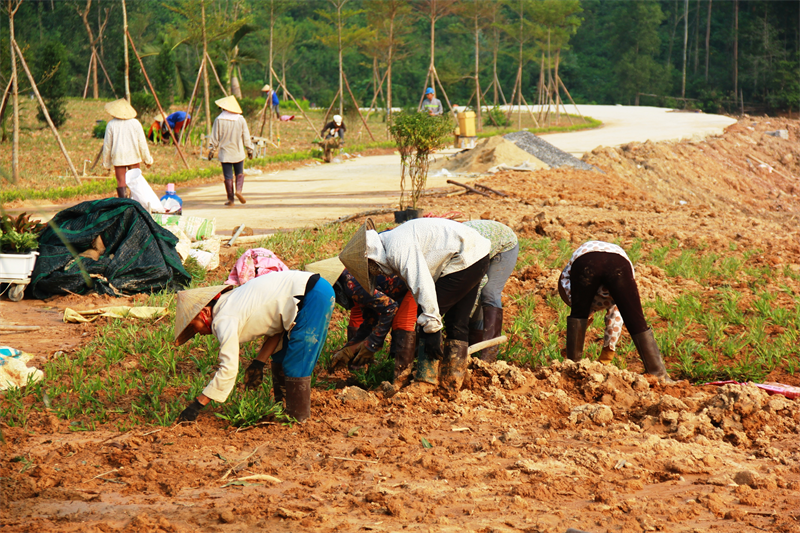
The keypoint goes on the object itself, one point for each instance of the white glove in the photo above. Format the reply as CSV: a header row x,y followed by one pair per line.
x,y
429,323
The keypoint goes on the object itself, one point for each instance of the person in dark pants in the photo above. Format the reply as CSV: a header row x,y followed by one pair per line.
x,y
231,137
332,136
442,263
600,276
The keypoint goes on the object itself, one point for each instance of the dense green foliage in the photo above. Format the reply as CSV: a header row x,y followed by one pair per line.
x,y
52,71
611,51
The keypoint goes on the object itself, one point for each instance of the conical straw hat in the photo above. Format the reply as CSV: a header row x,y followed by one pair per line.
x,y
329,269
229,104
189,305
354,257
120,109
266,88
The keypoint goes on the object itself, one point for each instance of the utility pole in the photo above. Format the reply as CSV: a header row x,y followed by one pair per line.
x,y
205,69
127,66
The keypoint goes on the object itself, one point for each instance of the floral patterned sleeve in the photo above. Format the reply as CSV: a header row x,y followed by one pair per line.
x,y
378,311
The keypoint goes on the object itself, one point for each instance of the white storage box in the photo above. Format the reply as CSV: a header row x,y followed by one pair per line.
x,y
17,266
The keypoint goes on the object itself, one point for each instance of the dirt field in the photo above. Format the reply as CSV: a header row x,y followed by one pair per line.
x,y
535,449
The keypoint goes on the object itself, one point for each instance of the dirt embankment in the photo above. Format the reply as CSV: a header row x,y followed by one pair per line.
x,y
568,445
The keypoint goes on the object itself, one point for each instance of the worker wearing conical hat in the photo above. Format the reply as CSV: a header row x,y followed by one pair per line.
x,y
291,310
230,136
442,263
276,102
124,144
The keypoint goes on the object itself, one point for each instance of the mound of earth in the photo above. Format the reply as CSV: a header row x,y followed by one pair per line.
x,y
487,154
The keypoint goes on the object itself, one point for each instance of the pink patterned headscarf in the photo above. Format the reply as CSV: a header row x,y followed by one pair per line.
x,y
253,263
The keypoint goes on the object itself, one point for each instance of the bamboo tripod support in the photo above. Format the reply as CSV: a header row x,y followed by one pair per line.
x,y
216,76
45,112
191,103
95,58
379,91
158,103
282,86
355,103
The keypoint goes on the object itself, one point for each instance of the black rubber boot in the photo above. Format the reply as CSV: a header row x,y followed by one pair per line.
x,y
121,192
298,398
576,335
404,343
239,187
648,350
454,368
493,325
229,192
278,381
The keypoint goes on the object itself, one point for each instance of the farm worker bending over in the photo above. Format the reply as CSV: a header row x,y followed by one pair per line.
x,y
442,263
431,104
290,309
390,307
600,276
487,320
332,136
231,137
124,145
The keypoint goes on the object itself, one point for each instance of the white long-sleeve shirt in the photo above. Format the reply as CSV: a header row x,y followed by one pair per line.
x,y
423,250
602,300
125,144
263,306
230,136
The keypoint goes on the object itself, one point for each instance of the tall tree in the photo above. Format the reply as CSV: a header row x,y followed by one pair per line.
x,y
435,10
522,31
389,19
635,44
93,41
12,6
708,36
478,17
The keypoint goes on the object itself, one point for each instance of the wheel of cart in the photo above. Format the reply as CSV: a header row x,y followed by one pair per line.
x,y
16,288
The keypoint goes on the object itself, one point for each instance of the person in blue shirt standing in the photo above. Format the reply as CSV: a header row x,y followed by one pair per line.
x,y
275,100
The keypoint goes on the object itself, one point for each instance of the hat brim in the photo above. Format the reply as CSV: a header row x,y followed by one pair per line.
x,y
354,257
189,305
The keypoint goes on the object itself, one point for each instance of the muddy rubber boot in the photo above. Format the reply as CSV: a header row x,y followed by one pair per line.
x,y
278,382
239,187
121,191
403,343
426,378
229,192
298,398
493,322
576,335
454,368
648,350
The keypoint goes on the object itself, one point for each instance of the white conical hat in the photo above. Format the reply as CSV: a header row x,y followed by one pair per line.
x,y
189,305
229,104
120,109
329,269
354,257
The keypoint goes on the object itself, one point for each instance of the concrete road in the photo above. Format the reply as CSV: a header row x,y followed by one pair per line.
x,y
318,193
623,124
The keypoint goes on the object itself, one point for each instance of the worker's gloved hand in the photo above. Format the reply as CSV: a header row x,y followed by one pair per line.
x,y
211,155
254,375
606,355
190,413
249,154
433,344
345,356
365,356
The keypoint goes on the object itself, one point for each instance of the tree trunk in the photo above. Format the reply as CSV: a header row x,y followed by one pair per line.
x,y
271,59
205,69
389,61
93,50
341,66
14,94
127,65
708,35
685,44
477,74
735,49
697,37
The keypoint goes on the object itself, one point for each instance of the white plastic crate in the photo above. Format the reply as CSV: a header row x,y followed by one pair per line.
x,y
17,266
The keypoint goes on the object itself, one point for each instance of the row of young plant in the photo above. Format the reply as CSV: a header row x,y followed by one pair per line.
x,y
130,374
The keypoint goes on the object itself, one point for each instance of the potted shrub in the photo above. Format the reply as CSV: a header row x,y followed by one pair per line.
x,y
19,237
417,136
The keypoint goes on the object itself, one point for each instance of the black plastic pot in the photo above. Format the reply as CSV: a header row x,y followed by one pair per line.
x,y
411,214
400,216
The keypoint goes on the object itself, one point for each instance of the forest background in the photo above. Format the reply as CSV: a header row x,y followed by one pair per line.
x,y
718,55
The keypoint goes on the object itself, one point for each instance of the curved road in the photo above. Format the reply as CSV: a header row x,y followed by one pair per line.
x,y
318,193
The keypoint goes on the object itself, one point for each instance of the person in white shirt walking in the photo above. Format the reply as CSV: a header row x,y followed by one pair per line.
x,y
124,144
230,136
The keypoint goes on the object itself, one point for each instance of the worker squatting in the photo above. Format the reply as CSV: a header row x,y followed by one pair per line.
x,y
434,284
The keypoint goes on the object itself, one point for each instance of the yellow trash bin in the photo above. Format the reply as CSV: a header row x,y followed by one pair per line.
x,y
466,123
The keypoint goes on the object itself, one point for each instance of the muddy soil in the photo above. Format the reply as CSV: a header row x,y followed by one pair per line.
x,y
582,445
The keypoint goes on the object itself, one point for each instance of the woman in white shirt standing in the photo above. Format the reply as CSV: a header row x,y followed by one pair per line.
x,y
124,144
230,136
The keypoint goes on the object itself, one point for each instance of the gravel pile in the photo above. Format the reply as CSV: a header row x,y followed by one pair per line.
x,y
545,152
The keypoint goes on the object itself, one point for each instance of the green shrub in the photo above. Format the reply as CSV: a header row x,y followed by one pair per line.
x,y
251,106
99,130
20,234
417,135
305,105
52,69
144,103
496,117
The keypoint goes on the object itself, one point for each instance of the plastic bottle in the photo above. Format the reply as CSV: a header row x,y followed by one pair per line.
x,y
170,199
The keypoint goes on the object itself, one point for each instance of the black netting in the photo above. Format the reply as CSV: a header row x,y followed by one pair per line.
x,y
140,255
